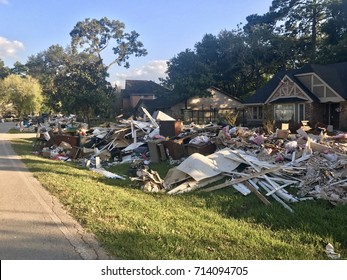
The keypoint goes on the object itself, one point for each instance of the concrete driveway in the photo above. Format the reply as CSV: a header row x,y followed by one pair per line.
x,y
33,224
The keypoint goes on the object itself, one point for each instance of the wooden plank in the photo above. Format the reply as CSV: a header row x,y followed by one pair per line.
x,y
239,180
194,185
266,188
240,187
257,193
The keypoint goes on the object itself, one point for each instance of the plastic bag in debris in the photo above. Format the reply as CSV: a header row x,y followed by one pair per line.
x,y
330,156
46,136
291,146
233,130
340,136
199,139
259,139
330,251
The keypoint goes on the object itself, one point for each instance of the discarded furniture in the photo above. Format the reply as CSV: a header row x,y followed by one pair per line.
x,y
170,128
156,150
204,149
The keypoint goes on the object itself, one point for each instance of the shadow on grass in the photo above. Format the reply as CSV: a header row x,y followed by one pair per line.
x,y
155,246
317,217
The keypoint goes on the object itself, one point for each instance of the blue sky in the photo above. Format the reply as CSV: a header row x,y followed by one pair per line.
x,y
166,27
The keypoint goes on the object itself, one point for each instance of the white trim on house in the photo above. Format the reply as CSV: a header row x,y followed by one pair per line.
x,y
325,98
286,90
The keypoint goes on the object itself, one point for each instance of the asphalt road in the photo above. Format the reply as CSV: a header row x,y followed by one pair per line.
x,y
33,224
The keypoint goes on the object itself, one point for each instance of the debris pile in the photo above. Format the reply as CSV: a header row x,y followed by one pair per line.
x,y
288,167
313,166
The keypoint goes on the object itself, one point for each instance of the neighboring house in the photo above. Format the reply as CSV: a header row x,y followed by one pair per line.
x,y
196,109
162,103
315,93
136,90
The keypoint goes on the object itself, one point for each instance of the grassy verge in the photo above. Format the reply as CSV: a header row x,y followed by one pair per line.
x,y
132,224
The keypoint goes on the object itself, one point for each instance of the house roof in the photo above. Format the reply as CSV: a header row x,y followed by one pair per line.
x,y
225,93
288,100
169,100
142,87
333,74
160,103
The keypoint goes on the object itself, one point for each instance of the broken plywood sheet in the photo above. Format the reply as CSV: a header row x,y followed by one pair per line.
x,y
221,160
150,117
175,176
199,167
239,155
192,185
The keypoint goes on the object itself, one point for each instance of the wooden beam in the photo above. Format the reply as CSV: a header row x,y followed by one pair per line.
x,y
257,193
239,180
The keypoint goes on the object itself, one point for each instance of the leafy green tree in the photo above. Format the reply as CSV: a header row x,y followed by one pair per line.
x,y
231,61
300,21
82,87
187,75
19,69
335,30
23,92
94,36
4,71
45,66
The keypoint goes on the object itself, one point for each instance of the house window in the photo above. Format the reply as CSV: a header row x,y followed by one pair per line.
x,y
301,112
284,112
257,113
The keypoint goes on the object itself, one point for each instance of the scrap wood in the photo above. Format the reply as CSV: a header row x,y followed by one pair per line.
x,y
192,185
240,187
107,174
252,160
337,183
151,181
150,117
257,193
278,188
174,176
265,187
239,180
279,191
153,175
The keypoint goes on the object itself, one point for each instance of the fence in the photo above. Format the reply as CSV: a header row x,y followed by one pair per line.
x,y
210,115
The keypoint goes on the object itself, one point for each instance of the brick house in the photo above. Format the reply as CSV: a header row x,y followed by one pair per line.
x,y
196,109
315,93
136,90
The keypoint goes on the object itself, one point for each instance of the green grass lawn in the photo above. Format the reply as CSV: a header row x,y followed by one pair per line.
x,y
132,224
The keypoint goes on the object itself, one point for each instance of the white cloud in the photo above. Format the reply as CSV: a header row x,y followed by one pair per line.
x,y
9,48
4,2
153,70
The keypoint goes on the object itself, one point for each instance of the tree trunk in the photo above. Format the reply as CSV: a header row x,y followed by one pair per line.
x,y
314,31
